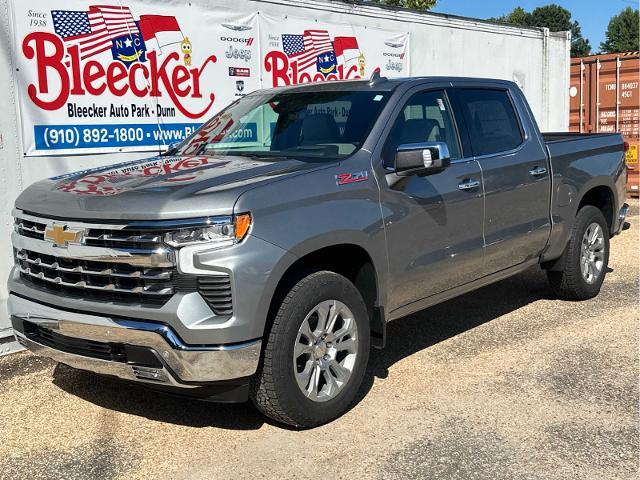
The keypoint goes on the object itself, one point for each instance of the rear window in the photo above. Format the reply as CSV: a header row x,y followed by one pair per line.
x,y
491,119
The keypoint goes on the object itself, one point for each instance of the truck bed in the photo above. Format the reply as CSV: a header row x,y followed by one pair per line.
x,y
567,146
550,137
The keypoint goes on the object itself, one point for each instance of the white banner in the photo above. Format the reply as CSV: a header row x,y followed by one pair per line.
x,y
122,77
139,76
301,51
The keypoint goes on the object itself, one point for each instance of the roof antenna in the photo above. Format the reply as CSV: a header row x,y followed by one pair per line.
x,y
376,78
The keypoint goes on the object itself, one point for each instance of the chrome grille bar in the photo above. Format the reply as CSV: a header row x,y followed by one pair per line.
x,y
107,271
149,258
34,228
113,236
30,229
110,237
110,287
82,275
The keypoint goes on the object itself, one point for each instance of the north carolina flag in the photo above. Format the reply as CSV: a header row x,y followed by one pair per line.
x,y
163,28
340,44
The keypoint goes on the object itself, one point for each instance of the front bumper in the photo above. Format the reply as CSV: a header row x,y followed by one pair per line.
x,y
250,265
133,350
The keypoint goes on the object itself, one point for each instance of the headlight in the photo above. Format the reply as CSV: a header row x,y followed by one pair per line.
x,y
217,230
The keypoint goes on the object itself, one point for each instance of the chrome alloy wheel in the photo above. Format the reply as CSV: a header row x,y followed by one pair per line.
x,y
592,253
325,351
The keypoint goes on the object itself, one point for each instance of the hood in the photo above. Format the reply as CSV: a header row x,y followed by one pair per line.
x,y
164,187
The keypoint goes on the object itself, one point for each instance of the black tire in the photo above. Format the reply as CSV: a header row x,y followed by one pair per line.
x,y
568,282
274,390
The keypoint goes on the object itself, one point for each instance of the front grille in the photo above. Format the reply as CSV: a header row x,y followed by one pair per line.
x,y
99,237
216,290
79,346
104,279
147,273
123,239
31,229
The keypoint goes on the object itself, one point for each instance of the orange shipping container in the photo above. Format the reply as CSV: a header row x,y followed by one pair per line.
x,y
604,97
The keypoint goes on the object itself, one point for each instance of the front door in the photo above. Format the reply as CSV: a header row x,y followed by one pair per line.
x,y
433,222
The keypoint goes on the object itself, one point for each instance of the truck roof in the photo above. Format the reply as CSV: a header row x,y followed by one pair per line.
x,y
382,84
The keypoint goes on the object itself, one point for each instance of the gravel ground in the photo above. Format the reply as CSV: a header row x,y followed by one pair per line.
x,y
506,382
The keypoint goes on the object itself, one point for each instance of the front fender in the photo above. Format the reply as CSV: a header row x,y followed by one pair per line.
x,y
309,212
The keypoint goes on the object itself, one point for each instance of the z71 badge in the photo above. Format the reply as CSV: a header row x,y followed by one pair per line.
x,y
345,178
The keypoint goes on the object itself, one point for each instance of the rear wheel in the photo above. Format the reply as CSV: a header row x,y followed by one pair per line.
x,y
316,352
586,258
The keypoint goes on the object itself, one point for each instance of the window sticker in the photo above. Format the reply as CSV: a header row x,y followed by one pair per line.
x,y
441,104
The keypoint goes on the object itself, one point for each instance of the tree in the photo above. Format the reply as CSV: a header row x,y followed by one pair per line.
x,y
580,46
556,19
413,4
518,16
623,32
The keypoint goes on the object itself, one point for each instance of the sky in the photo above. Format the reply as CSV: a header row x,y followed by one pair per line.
x,y
592,15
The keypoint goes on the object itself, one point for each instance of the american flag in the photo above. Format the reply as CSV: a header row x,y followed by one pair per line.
x,y
306,48
94,29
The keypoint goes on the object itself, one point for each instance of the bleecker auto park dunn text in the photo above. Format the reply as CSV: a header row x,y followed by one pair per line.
x,y
92,78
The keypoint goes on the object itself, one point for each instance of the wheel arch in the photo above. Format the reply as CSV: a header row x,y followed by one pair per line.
x,y
602,197
597,193
353,261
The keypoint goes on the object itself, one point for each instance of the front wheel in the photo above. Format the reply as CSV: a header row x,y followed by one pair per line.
x,y
586,258
316,352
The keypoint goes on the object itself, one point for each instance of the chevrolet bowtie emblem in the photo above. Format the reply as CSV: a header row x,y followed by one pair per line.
x,y
61,236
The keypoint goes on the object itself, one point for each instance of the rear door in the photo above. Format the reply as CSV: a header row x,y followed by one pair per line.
x,y
433,222
515,171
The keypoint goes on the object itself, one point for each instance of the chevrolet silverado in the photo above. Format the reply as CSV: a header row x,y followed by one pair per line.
x,y
263,256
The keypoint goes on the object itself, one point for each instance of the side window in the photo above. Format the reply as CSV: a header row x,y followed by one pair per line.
x,y
491,120
426,117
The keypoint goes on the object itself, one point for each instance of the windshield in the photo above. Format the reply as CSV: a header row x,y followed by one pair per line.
x,y
315,126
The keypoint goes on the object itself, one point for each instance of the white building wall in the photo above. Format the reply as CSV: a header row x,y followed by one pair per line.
x,y
439,45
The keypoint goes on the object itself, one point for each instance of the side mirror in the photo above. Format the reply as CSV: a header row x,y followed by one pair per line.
x,y
421,158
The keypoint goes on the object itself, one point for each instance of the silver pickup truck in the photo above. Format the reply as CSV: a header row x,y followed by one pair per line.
x,y
263,256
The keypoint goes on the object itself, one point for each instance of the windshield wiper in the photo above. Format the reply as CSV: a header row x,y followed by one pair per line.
x,y
258,155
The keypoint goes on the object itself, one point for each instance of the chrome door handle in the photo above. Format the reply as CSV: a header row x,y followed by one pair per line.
x,y
536,172
468,185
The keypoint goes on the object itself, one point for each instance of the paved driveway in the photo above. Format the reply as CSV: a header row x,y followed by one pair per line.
x,y
506,382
